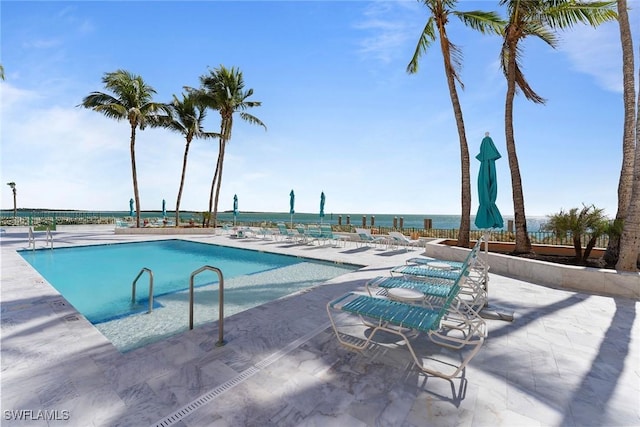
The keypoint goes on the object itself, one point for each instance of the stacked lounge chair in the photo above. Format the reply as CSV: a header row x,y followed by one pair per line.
x,y
446,319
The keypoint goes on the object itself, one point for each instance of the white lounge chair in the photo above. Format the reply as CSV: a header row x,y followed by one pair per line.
x,y
399,239
289,234
326,233
365,238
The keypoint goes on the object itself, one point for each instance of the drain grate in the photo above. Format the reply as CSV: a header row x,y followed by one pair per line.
x,y
221,389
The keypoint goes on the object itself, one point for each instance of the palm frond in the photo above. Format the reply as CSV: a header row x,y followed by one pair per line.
x,y
453,59
565,14
484,22
542,32
252,119
427,37
523,85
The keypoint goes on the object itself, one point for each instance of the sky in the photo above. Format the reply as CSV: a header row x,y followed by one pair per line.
x,y
343,117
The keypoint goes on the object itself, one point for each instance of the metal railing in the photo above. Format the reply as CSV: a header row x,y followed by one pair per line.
x,y
43,219
537,237
49,238
220,298
133,288
32,239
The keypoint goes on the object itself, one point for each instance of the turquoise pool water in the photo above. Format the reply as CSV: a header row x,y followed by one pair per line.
x,y
97,280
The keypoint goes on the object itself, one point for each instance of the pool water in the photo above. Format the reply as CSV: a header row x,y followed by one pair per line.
x,y
97,281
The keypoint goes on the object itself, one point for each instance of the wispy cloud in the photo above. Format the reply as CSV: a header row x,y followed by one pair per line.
x,y
597,51
389,25
42,43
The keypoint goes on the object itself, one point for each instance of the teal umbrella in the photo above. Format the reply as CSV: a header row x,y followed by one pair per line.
x,y
488,215
131,207
235,208
164,208
321,206
292,200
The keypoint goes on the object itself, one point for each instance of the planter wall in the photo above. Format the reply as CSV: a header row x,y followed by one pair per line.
x,y
583,279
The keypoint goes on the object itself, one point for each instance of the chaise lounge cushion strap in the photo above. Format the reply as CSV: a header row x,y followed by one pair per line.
x,y
433,289
424,270
405,315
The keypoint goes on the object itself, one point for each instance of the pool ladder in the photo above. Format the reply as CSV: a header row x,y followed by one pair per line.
x,y
221,341
32,239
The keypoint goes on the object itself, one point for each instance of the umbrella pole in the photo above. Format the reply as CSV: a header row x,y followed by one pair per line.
x,y
486,264
488,311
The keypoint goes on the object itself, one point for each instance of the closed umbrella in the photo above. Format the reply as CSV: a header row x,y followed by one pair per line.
x,y
164,208
322,199
488,216
235,208
292,200
131,207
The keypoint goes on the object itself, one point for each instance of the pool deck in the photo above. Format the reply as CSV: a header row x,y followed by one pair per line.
x,y
567,359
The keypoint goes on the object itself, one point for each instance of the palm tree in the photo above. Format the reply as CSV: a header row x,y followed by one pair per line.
x,y
131,100
628,139
12,185
538,18
187,118
223,90
478,20
1,72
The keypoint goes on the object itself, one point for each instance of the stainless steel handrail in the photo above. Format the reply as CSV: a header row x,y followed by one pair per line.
x,y
220,298
133,288
49,237
32,239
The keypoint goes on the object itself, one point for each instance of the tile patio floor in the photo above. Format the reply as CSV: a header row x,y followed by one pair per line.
x,y
567,359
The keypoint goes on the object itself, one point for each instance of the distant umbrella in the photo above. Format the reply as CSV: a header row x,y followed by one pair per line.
x,y
322,200
131,207
235,208
292,200
164,208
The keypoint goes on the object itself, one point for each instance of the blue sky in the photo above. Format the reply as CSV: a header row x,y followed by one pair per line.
x,y
342,114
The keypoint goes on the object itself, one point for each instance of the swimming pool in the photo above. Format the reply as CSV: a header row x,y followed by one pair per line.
x,y
97,281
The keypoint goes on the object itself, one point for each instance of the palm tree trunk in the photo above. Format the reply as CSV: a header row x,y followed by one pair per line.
x,y
213,184
215,204
630,238
465,191
134,172
523,244
628,141
184,170
15,206
227,122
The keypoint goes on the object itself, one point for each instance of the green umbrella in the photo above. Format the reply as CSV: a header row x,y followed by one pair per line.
x,y
292,199
321,206
488,215
235,208
131,207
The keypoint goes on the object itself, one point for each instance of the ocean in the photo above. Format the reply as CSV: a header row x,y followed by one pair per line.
x,y
534,224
